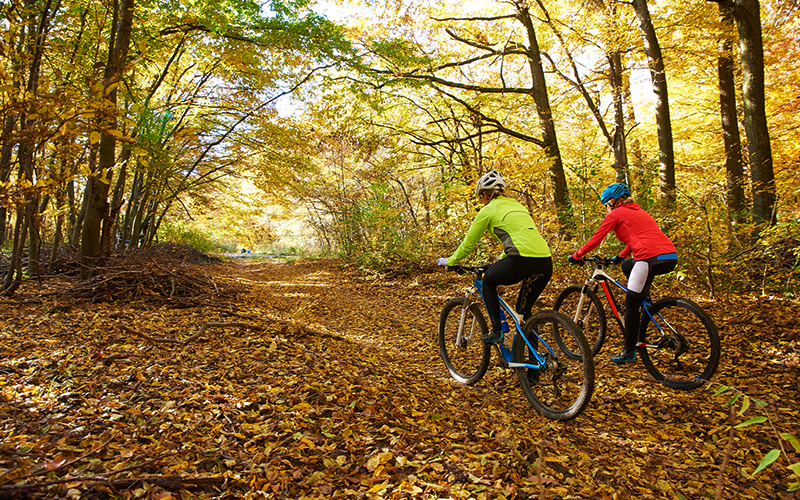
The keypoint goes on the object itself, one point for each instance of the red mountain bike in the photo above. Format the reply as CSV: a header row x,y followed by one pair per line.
x,y
678,341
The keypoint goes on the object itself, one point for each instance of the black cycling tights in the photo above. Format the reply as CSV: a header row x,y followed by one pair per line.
x,y
513,269
640,275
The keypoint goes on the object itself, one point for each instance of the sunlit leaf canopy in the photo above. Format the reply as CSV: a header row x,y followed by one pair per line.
x,y
367,123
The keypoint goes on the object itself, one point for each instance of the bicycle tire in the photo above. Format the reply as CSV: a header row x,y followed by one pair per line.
x,y
563,388
591,320
690,339
466,363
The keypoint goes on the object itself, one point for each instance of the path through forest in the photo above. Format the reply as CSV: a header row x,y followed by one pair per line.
x,y
326,382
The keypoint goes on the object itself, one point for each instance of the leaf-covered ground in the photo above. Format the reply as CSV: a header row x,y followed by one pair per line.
x,y
316,381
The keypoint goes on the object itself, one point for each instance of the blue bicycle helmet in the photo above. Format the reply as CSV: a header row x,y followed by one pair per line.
x,y
614,191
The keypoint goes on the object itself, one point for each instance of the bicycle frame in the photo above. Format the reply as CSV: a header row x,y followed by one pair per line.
x,y
505,352
601,278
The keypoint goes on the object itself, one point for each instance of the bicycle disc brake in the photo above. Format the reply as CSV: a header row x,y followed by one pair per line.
x,y
553,371
676,344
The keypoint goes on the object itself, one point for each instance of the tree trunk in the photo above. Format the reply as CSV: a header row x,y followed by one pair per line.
x,y
61,196
734,159
617,89
138,220
426,204
131,209
34,238
635,146
14,276
663,122
97,206
759,150
117,200
6,153
542,101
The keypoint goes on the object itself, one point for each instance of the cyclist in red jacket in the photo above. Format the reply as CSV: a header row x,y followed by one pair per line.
x,y
653,254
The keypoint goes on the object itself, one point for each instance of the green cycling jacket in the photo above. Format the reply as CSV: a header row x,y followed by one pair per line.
x,y
510,224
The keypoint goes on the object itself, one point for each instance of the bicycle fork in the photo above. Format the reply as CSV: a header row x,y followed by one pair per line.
x,y
582,321
462,321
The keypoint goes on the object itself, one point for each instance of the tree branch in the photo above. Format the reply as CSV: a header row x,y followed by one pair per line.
x,y
494,122
200,332
478,18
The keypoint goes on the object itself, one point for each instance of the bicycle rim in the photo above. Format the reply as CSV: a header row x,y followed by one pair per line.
x,y
591,319
466,361
563,387
683,344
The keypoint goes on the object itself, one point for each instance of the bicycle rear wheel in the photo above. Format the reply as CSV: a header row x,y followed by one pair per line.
x,y
563,387
683,347
591,319
467,360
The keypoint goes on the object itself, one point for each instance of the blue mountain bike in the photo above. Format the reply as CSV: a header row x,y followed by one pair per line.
x,y
549,353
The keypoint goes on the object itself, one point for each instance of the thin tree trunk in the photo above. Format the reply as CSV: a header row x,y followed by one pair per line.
x,y
77,226
542,101
34,237
109,239
14,276
619,146
6,153
635,146
663,122
132,208
759,150
426,204
61,196
734,159
138,221
97,206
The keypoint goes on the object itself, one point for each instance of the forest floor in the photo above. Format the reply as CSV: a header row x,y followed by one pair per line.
x,y
310,379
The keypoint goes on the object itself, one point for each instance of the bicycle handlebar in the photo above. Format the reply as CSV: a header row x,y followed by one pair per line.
x,y
476,270
599,261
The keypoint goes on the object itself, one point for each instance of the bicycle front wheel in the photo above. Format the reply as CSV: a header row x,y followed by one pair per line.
x,y
467,359
563,385
683,347
591,318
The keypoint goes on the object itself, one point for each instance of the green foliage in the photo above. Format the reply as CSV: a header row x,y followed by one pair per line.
x,y
182,234
376,234
400,52
784,438
769,266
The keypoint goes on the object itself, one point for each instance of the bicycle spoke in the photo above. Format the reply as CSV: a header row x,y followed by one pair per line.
x,y
467,359
591,318
562,388
682,346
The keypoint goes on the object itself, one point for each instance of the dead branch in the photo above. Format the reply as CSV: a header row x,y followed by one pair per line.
x,y
120,355
95,479
66,463
91,481
728,453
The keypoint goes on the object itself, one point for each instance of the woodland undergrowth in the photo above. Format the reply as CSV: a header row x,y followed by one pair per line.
x,y
310,379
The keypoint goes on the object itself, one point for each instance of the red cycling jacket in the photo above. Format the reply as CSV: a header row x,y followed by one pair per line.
x,y
634,227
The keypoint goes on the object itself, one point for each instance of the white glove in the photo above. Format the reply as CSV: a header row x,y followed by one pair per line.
x,y
441,261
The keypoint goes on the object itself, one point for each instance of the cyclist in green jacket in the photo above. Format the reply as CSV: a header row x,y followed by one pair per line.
x,y
525,253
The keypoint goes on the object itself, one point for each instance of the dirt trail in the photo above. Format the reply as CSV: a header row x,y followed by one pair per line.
x,y
636,437
340,392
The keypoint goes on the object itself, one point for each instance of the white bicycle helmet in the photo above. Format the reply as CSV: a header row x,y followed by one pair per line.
x,y
491,180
